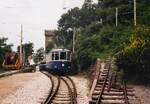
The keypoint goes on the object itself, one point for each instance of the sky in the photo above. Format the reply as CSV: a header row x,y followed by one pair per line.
x,y
34,15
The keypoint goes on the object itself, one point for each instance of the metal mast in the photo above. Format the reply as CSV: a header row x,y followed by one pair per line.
x,y
21,51
64,6
116,17
135,13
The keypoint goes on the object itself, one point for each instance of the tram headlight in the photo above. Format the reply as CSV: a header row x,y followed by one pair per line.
x,y
63,65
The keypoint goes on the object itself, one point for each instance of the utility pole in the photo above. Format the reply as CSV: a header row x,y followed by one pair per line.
x,y
101,21
116,17
74,33
21,51
135,13
64,6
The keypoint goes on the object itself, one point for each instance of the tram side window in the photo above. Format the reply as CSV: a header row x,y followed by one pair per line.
x,y
63,56
68,56
53,56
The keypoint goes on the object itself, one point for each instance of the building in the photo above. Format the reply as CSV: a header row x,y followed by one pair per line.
x,y
48,36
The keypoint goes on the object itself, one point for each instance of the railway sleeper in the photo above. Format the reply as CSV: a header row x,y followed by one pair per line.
x,y
103,75
111,89
101,83
60,102
108,94
108,102
114,91
63,93
101,79
62,98
105,70
113,101
113,94
112,97
109,98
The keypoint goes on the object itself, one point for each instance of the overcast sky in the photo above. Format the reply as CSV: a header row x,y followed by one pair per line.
x,y
35,15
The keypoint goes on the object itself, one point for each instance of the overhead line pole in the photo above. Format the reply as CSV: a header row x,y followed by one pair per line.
x,y
21,57
74,33
135,13
116,17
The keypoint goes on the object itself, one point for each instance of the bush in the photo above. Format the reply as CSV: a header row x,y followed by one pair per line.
x,y
134,58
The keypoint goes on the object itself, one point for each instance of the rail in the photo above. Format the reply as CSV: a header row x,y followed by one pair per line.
x,y
125,93
96,77
74,90
103,88
70,91
56,89
53,91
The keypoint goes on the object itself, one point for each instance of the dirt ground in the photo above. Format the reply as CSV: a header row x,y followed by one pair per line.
x,y
8,85
82,85
142,94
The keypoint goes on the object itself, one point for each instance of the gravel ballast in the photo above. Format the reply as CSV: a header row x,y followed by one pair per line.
x,y
82,87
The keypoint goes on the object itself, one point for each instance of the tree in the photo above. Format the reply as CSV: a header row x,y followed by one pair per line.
x,y
27,50
49,46
107,38
134,57
39,55
4,48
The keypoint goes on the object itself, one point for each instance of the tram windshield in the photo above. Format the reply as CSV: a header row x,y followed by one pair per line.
x,y
61,56
57,56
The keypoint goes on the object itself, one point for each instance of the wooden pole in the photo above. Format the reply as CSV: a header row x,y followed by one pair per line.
x,y
101,21
21,57
116,17
135,13
74,33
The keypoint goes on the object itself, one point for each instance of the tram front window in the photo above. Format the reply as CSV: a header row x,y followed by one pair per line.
x,y
56,56
63,56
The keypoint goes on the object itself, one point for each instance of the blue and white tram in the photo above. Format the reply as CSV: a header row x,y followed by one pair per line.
x,y
60,61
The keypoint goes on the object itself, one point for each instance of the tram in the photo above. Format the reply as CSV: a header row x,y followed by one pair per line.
x,y
60,61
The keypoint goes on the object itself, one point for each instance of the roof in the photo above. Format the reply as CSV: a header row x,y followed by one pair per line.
x,y
60,49
49,32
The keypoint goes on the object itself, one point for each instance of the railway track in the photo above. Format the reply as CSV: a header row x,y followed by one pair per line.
x,y
62,91
108,91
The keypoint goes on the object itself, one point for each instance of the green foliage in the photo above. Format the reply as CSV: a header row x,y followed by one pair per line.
x,y
88,50
27,50
134,58
4,48
95,39
49,46
39,55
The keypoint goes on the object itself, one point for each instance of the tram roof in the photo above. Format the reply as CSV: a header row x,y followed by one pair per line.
x,y
60,50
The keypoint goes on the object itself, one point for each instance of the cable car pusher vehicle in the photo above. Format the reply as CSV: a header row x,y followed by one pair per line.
x,y
60,62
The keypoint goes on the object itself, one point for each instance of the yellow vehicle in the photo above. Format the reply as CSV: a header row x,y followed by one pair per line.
x,y
12,61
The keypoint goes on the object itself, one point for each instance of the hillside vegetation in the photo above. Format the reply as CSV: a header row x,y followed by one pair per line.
x,y
96,34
